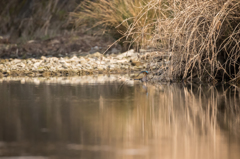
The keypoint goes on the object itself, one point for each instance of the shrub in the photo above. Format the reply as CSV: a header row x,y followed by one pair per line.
x,y
114,17
203,36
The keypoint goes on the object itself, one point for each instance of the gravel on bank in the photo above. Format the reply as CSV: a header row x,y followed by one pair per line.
x,y
95,63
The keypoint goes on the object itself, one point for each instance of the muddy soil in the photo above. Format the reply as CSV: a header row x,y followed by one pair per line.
x,y
76,44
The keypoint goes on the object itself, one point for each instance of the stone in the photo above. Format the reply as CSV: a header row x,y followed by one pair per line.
x,y
127,54
96,55
16,61
43,57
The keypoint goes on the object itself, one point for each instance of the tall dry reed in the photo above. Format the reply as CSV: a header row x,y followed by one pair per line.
x,y
203,36
113,17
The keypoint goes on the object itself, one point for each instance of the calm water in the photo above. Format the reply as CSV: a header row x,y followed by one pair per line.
x,y
115,118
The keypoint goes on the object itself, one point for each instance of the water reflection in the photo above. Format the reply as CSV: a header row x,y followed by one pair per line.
x,y
89,117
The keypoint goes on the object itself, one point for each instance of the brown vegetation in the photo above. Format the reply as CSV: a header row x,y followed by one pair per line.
x,y
203,35
111,17
27,19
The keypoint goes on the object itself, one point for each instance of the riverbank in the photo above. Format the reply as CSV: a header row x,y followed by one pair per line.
x,y
96,63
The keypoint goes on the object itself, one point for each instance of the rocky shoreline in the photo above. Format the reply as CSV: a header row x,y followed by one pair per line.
x,y
73,80
77,65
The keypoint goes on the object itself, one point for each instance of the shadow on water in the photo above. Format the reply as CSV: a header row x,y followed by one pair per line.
x,y
87,117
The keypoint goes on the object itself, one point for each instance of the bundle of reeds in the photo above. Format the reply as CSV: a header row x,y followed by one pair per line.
x,y
203,35
112,17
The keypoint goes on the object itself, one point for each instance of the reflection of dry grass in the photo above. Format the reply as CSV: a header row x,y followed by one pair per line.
x,y
170,119
195,120
194,111
187,112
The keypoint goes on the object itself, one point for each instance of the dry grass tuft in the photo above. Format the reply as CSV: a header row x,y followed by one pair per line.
x,y
204,36
113,17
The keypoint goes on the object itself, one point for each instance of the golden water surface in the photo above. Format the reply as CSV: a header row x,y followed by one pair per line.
x,y
113,117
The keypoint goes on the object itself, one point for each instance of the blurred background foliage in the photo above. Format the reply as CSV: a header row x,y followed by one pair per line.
x,y
22,20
